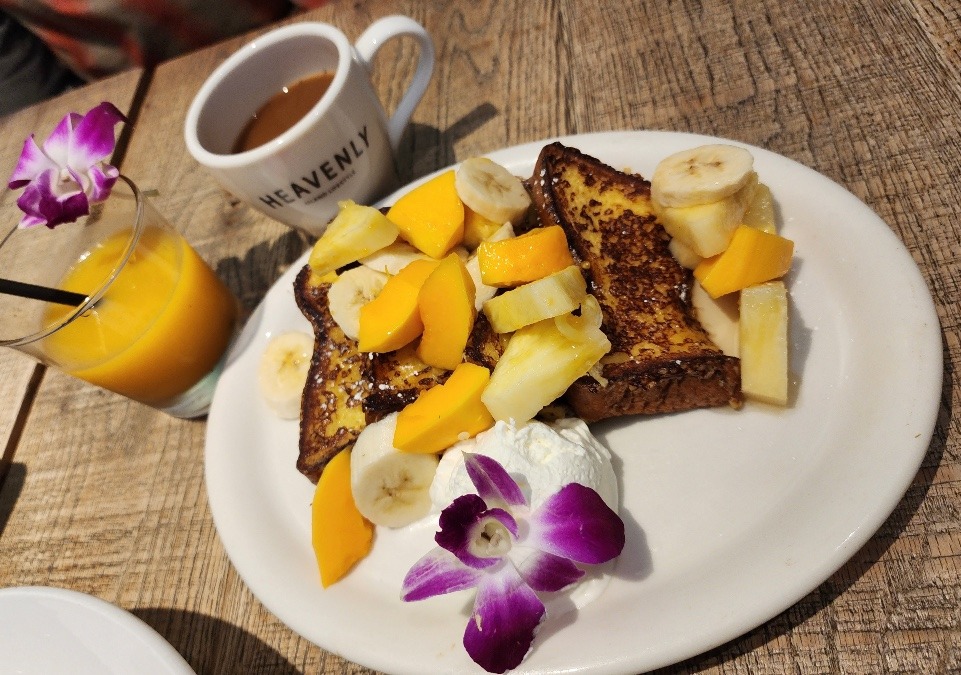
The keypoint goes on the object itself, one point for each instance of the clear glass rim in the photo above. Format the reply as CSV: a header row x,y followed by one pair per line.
x,y
93,299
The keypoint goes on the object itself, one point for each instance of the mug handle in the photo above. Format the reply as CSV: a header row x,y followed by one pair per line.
x,y
373,39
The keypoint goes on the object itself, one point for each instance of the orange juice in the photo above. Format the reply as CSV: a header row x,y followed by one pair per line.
x,y
162,325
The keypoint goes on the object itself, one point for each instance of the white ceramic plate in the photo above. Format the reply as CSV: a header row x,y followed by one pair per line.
x,y
731,516
47,631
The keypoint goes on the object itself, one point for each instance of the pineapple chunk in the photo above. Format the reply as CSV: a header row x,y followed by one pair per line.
x,y
542,360
719,317
763,342
555,294
356,232
760,211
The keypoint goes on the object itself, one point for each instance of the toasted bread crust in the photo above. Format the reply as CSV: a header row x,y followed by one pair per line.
x,y
661,358
331,409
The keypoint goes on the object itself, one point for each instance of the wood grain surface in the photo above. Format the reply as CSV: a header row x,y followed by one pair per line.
x,y
107,496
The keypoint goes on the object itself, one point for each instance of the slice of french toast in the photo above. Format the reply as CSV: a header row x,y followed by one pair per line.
x,y
346,389
331,407
661,359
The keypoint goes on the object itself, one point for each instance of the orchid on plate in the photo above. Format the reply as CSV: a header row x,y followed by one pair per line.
x,y
67,174
492,541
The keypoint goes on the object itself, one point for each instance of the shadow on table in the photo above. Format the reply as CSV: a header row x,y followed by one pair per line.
x,y
12,477
252,275
825,594
426,148
212,646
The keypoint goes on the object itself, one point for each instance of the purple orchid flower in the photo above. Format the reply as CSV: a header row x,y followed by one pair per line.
x,y
492,542
67,174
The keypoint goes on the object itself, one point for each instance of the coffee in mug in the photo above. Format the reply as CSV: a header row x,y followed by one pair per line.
x,y
342,147
283,110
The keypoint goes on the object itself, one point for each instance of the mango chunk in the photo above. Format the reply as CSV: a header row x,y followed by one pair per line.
x,y
763,342
529,257
392,319
339,534
446,413
753,257
431,216
446,305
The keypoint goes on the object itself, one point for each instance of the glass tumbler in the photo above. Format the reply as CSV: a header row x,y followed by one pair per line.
x,y
127,304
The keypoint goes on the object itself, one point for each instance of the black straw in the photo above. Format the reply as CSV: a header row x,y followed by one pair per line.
x,y
57,295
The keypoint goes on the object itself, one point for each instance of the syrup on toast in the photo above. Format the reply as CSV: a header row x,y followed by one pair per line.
x,y
661,358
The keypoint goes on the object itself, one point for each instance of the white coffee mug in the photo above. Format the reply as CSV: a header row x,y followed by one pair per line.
x,y
343,148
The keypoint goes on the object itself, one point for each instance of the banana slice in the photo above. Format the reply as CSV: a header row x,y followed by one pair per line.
x,y
684,254
483,292
491,190
555,294
355,232
392,259
701,175
390,487
283,372
350,291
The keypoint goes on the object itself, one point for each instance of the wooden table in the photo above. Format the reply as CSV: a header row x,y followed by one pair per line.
x,y
107,497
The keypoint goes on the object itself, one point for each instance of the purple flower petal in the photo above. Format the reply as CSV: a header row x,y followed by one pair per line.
x,y
42,206
101,182
548,572
492,481
93,135
478,536
575,523
31,164
437,573
64,176
505,619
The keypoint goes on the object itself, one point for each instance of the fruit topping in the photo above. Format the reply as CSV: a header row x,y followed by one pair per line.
x,y
542,360
491,191
431,216
340,534
446,303
446,413
391,488
553,295
392,319
753,257
355,232
531,256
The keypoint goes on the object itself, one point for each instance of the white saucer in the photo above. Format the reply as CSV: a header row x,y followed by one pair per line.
x,y
48,631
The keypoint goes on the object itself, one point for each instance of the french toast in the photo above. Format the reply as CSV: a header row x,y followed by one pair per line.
x,y
347,389
661,359
331,408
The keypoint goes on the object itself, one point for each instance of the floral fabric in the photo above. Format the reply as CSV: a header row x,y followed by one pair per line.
x,y
101,37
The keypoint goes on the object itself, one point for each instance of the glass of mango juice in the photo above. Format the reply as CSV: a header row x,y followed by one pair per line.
x,y
148,318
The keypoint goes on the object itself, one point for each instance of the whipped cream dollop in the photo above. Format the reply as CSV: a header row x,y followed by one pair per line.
x,y
541,458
